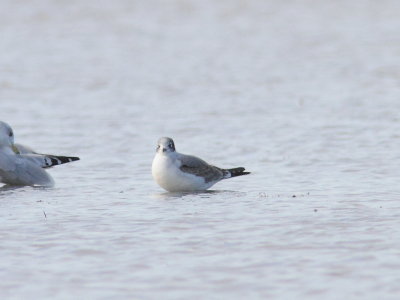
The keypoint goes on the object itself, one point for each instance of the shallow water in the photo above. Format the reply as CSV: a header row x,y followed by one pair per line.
x,y
304,94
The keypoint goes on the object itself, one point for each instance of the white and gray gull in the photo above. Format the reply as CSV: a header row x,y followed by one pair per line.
x,y
20,165
176,172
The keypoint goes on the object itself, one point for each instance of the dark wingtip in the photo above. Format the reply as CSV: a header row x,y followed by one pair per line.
x,y
238,172
57,160
67,159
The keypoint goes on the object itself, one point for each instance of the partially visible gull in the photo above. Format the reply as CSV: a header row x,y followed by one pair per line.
x,y
20,165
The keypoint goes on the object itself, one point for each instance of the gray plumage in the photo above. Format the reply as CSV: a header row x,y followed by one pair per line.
x,y
19,170
21,165
22,149
196,166
43,160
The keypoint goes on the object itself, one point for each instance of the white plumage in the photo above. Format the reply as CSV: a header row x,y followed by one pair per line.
x,y
176,172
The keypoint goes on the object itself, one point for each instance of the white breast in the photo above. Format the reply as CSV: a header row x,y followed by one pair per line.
x,y
167,174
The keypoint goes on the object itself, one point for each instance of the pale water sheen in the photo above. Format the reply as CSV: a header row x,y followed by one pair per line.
x,y
305,94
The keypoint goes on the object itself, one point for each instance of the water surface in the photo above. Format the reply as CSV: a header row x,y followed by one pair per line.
x,y
304,94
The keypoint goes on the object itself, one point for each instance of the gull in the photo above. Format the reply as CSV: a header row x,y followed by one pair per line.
x,y
176,172
20,165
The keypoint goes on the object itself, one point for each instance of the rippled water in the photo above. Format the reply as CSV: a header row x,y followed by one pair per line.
x,y
305,94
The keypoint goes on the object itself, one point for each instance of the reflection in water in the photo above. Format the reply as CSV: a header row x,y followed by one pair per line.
x,y
7,187
197,194
11,188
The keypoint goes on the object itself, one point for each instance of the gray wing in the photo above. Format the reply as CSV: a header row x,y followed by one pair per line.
x,y
196,166
47,161
22,149
16,170
43,160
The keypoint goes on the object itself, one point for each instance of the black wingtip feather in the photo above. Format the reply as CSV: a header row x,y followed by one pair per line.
x,y
238,172
59,160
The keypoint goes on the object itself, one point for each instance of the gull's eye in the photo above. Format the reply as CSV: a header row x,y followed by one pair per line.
x,y
170,146
10,134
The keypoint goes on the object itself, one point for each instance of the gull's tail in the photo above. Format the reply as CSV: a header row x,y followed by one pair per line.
x,y
228,173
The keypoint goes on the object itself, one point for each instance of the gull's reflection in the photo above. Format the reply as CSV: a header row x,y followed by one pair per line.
x,y
198,194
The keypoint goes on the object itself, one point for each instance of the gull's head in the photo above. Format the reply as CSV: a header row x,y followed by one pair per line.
x,y
6,135
165,145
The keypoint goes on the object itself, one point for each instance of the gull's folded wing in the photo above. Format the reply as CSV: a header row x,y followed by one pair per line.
x,y
20,171
196,166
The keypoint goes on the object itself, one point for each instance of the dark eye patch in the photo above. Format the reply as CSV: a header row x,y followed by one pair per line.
x,y
10,134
